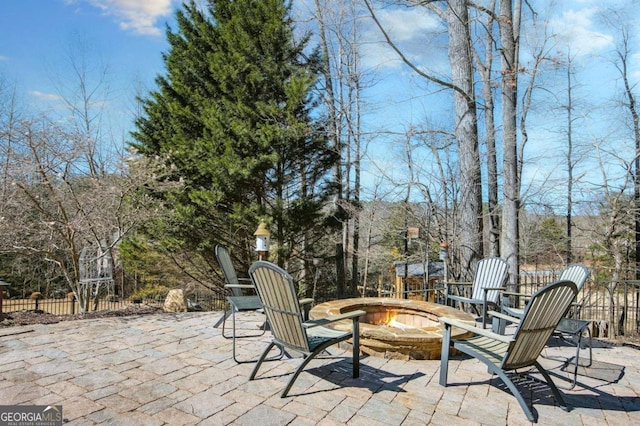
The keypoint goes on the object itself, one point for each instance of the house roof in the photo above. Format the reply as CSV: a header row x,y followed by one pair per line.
x,y
417,269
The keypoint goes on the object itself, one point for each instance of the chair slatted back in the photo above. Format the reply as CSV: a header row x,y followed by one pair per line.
x,y
228,270
492,272
541,316
280,302
576,273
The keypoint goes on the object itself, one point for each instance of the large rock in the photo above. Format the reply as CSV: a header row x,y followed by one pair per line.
x,y
176,301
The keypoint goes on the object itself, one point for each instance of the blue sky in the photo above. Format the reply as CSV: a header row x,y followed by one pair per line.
x,y
127,37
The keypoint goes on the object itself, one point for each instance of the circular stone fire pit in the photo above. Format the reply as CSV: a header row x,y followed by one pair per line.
x,y
396,328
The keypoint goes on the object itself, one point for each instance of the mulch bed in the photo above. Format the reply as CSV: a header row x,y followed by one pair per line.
x,y
32,317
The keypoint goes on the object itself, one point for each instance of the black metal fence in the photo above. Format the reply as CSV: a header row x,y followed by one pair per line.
x,y
62,306
614,307
69,306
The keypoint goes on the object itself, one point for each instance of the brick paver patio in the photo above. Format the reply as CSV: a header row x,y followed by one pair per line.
x,y
176,369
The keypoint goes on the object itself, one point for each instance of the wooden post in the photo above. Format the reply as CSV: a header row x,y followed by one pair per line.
x,y
340,270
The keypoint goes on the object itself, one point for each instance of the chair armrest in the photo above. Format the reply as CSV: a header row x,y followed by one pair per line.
x,y
501,289
305,301
475,330
460,298
239,286
514,293
449,285
334,318
504,316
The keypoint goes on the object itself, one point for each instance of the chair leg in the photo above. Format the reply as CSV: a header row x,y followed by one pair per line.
x,y
578,340
261,359
320,349
444,354
233,323
306,361
484,311
355,355
498,325
233,345
577,363
231,312
590,348
222,319
293,378
552,385
515,392
578,347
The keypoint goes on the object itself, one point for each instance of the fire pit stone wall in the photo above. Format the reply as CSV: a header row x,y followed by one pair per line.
x,y
396,328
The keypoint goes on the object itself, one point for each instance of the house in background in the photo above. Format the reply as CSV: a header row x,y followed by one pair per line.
x,y
416,280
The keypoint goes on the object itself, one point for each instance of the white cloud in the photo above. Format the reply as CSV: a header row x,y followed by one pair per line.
x,y
405,25
410,29
45,96
576,29
139,16
3,58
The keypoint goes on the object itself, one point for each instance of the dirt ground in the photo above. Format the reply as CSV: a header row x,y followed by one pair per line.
x,y
39,317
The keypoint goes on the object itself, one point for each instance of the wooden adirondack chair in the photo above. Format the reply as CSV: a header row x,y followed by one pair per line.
x,y
290,332
503,354
569,326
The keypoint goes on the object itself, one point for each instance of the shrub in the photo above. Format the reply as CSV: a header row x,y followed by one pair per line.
x,y
152,291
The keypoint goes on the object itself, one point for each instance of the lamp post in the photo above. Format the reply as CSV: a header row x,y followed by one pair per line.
x,y
262,235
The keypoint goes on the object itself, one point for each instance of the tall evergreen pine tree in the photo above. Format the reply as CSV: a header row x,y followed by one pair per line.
x,y
233,116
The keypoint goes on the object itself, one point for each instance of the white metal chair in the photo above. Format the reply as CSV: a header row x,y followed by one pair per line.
x,y
576,273
238,300
489,279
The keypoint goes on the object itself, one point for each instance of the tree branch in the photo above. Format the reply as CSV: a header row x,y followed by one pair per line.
x,y
410,64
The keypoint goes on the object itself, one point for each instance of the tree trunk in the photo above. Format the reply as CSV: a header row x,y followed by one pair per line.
x,y
509,30
570,163
485,69
466,133
340,277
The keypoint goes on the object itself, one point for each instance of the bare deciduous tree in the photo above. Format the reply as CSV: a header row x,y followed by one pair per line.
x,y
623,54
339,29
64,186
455,15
